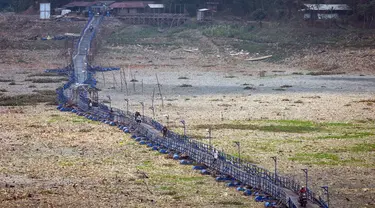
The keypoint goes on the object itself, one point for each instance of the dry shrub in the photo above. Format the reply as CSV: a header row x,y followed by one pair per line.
x,y
29,99
324,73
6,80
47,80
186,85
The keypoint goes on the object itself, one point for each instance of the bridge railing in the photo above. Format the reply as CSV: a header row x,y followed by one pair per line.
x,y
245,172
203,154
267,180
248,174
242,171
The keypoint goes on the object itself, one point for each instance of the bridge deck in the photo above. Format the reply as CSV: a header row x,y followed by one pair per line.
x,y
80,58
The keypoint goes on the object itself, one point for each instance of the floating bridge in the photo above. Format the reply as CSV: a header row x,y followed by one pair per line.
x,y
74,96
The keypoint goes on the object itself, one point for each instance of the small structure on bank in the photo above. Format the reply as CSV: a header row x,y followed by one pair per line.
x,y
204,15
325,11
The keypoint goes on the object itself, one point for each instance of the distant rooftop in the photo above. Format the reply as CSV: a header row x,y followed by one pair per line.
x,y
131,4
156,6
203,10
327,7
79,4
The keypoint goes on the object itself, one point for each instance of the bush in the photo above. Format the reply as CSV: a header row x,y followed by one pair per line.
x,y
30,99
44,75
186,85
6,80
47,80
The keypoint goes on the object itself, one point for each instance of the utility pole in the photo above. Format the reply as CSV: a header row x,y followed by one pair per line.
x,y
159,86
326,192
275,160
127,106
306,177
239,150
209,137
110,101
143,110
183,123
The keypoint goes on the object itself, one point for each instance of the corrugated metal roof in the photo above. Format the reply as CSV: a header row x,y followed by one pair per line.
x,y
131,4
107,3
203,10
156,6
79,4
327,7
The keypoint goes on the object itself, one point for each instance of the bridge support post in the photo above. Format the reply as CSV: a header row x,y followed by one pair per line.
x,y
127,106
143,110
183,123
239,150
306,177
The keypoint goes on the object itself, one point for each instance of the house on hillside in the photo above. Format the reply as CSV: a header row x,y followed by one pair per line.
x,y
325,11
78,6
204,15
129,7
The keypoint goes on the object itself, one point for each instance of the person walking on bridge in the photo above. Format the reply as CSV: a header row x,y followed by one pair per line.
x,y
164,131
303,196
137,118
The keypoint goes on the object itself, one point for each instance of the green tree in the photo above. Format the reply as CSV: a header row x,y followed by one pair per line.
x,y
20,5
